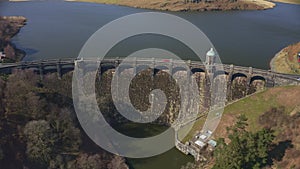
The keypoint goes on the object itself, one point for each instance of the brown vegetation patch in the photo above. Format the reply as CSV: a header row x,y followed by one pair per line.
x,y
226,121
9,27
289,99
292,51
286,60
287,126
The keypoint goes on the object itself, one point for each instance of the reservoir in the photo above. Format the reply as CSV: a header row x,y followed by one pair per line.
x,y
57,29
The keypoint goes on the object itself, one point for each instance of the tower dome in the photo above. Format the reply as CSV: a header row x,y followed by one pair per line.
x,y
210,60
211,52
211,57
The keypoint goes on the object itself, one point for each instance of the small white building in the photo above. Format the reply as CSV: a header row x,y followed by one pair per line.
x,y
212,143
203,137
200,143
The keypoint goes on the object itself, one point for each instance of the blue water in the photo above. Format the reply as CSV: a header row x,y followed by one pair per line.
x,y
58,29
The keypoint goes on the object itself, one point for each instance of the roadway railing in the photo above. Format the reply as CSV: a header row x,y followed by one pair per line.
x,y
146,60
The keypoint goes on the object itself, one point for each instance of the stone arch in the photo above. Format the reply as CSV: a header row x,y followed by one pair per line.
x,y
257,77
122,68
238,86
160,68
140,68
177,69
105,68
49,69
195,70
257,83
200,76
34,69
236,75
220,72
65,70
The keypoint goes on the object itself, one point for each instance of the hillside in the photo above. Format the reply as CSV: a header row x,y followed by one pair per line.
x,y
276,108
285,61
254,106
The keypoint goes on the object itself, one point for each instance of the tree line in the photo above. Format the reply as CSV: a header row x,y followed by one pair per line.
x,y
39,128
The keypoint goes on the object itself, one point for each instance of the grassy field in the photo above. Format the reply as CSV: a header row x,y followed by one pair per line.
x,y
253,107
286,60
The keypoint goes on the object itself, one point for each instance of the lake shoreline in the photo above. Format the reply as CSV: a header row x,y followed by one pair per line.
x,y
293,2
285,61
10,27
180,6
272,65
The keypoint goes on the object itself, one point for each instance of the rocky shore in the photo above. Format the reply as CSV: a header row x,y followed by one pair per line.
x,y
190,5
285,61
9,27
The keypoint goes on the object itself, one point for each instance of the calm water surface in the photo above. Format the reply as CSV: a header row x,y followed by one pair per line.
x,y
250,38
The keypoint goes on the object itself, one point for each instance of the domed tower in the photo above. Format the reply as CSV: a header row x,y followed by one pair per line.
x,y
210,57
210,60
